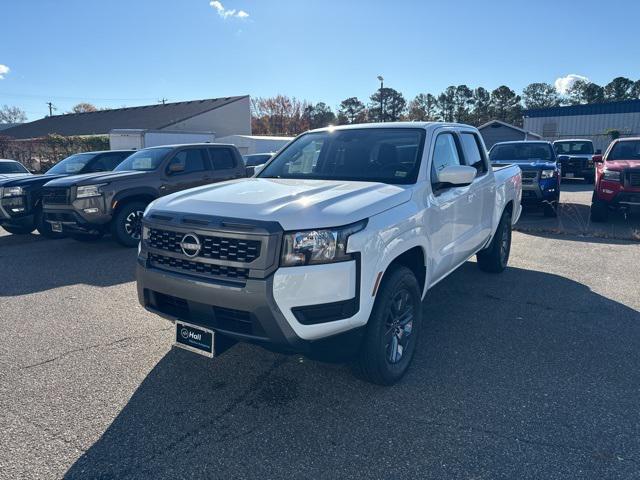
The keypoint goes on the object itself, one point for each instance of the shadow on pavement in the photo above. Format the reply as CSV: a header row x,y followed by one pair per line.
x,y
31,263
521,375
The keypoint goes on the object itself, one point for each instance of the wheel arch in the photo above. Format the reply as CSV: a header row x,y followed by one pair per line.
x,y
413,258
145,195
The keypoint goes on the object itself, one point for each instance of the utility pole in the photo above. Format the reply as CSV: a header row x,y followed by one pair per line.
x,y
51,108
381,97
162,100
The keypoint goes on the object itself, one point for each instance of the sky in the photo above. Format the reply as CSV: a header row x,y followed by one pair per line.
x,y
115,53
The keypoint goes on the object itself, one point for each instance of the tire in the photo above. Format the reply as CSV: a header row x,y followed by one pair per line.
x,y
127,224
87,237
393,328
44,228
599,211
495,257
19,229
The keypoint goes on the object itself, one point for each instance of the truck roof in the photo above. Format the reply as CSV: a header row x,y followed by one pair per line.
x,y
573,140
201,144
522,141
424,125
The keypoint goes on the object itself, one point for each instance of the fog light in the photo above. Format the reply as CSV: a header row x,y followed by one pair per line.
x,y
17,210
90,210
606,190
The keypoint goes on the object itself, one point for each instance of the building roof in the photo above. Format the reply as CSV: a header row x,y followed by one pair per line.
x,y
101,122
625,106
508,125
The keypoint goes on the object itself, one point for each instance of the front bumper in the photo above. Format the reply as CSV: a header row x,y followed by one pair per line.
x,y
270,312
79,220
541,191
17,208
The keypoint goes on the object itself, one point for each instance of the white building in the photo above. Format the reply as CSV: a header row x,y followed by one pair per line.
x,y
586,121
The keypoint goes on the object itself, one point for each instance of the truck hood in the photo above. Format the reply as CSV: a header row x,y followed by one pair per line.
x,y
12,176
527,164
28,181
295,204
93,178
620,165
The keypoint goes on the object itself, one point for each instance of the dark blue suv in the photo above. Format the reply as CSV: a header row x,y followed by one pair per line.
x,y
540,171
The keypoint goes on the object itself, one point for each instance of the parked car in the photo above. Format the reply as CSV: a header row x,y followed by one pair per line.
x,y
88,206
540,171
617,179
21,198
576,158
331,248
10,169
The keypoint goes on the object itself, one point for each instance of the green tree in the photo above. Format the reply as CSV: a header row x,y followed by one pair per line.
x,y
481,106
446,104
12,114
351,111
635,90
540,95
584,92
506,106
319,115
394,105
463,103
619,88
423,108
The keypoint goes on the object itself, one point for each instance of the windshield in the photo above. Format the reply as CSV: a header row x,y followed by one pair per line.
x,y
387,155
514,152
73,164
626,150
573,148
144,160
12,167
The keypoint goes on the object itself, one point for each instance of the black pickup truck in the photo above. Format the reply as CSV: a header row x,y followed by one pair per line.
x,y
21,198
88,206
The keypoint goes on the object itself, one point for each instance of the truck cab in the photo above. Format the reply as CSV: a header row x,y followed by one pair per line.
x,y
576,158
617,179
330,249
540,171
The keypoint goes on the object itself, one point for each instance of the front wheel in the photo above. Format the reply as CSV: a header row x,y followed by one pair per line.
x,y
599,211
126,226
19,229
495,257
392,331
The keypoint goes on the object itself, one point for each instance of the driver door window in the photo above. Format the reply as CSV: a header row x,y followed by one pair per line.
x,y
445,154
192,160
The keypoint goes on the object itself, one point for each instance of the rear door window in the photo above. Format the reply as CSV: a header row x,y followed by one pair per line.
x,y
222,158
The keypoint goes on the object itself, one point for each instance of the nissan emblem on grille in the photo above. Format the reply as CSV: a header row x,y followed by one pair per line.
x,y
190,245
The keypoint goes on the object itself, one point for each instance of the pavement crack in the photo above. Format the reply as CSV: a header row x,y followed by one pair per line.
x,y
91,347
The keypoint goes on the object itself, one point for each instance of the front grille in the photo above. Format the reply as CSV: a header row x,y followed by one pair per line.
x,y
215,248
197,268
529,174
55,195
575,163
634,179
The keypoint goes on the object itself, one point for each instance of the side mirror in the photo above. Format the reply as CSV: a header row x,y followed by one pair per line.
x,y
597,159
457,175
250,171
176,167
598,152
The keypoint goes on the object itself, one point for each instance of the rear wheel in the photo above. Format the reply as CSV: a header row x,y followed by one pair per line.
x,y
550,209
599,211
126,226
392,331
44,227
495,257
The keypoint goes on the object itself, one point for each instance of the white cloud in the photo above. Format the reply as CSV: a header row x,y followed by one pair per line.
x,y
3,71
563,84
226,13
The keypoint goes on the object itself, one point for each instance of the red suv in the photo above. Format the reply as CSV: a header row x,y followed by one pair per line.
x,y
617,178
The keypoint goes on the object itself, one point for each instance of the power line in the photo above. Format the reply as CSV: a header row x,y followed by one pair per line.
x,y
93,99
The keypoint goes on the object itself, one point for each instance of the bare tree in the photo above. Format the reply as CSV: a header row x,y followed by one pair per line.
x,y
12,114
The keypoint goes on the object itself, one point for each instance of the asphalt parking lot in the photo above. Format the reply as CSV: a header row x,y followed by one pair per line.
x,y
534,373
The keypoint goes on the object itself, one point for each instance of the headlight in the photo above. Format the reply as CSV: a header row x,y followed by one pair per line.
x,y
611,175
312,247
87,191
547,173
12,191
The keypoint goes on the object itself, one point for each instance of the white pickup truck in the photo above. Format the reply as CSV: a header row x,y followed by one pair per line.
x,y
330,249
